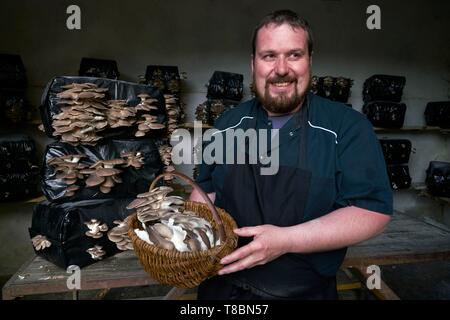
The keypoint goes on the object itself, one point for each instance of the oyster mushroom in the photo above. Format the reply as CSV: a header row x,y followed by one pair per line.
x,y
119,235
157,239
133,159
95,228
165,152
40,242
202,113
67,169
103,174
82,114
146,123
96,252
120,114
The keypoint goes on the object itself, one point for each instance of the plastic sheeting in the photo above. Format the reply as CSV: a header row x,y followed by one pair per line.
x,y
64,225
437,114
396,151
438,178
399,176
134,180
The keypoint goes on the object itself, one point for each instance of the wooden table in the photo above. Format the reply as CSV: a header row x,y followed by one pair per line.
x,y
406,240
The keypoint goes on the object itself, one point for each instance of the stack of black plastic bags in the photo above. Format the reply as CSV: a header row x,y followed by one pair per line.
x,y
19,175
382,95
225,91
71,227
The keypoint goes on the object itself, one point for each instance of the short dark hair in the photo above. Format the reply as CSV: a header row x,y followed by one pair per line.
x,y
280,17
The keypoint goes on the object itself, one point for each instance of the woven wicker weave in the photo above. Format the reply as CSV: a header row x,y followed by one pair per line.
x,y
186,269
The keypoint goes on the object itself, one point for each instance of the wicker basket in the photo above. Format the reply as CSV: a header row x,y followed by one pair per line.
x,y
186,269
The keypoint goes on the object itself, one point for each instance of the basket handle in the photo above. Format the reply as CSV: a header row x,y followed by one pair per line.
x,y
194,185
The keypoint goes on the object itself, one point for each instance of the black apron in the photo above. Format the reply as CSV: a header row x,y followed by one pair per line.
x,y
254,199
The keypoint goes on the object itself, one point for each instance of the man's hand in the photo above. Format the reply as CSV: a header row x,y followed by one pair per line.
x,y
269,243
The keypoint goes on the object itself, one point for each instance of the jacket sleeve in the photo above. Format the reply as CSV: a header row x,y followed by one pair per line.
x,y
362,175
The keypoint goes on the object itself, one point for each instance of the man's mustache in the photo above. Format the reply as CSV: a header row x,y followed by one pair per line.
x,y
281,79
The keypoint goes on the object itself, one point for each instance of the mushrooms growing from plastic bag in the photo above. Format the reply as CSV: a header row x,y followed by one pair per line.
x,y
167,225
69,169
103,174
133,159
95,228
40,242
82,113
96,252
165,152
202,113
120,114
173,112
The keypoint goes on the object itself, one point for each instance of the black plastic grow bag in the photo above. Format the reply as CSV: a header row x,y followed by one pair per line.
x,y
19,186
100,68
437,114
383,87
385,114
438,178
64,226
118,90
396,151
399,176
134,180
164,78
226,85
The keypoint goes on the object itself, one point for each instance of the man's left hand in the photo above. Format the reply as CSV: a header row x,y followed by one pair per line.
x,y
269,243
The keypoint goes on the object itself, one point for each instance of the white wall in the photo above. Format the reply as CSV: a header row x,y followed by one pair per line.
x,y
206,35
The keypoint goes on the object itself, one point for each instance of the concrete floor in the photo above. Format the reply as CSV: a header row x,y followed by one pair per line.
x,y
411,281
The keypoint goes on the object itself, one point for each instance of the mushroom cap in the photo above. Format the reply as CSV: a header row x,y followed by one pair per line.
x,y
114,161
107,172
156,126
94,180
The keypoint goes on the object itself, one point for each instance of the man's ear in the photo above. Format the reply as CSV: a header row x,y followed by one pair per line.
x,y
252,62
310,59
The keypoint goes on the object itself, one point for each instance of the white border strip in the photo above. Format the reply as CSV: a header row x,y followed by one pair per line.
x,y
245,117
327,130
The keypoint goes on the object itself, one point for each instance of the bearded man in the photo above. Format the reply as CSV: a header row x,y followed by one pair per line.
x,y
331,190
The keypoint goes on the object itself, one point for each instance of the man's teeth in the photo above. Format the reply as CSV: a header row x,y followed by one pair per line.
x,y
281,84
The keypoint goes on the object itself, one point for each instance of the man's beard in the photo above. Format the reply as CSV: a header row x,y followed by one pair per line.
x,y
282,103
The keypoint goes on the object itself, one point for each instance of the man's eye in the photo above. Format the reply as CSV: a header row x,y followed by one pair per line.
x,y
295,55
269,57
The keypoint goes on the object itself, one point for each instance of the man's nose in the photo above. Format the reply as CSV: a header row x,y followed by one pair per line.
x,y
281,67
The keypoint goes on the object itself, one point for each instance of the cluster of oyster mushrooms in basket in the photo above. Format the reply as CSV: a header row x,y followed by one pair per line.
x,y
85,113
103,174
168,225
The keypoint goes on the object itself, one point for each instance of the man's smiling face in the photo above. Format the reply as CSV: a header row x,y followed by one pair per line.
x,y
281,68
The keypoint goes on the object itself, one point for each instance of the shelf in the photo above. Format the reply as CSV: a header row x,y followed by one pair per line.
x,y
191,126
413,129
